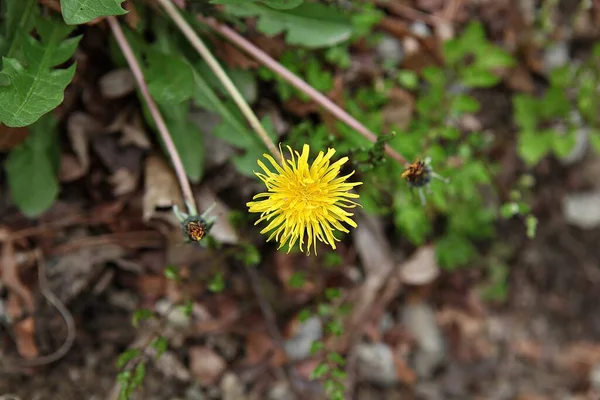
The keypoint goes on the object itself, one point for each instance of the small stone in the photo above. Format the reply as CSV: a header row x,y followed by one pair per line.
x,y
232,388
420,29
390,50
376,363
281,391
421,268
595,377
117,83
206,365
556,55
298,347
582,209
419,320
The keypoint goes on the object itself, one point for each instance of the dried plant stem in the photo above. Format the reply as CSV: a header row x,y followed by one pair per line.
x,y
212,62
297,82
154,111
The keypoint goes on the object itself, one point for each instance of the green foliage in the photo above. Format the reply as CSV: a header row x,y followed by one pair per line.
x,y
141,314
33,86
32,168
217,283
81,11
310,24
277,4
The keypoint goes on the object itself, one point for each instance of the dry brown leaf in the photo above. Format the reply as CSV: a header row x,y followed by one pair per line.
x,y
399,109
259,345
206,365
123,181
135,134
11,137
161,189
117,83
24,330
222,230
79,128
528,349
421,268
232,56
70,168
404,373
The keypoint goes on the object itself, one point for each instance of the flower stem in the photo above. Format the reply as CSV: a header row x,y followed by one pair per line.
x,y
297,82
154,111
212,62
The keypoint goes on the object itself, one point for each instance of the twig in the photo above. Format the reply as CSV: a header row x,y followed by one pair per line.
x,y
62,310
154,111
212,62
297,82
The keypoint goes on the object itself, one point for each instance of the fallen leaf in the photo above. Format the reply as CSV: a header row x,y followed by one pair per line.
x,y
398,110
222,230
259,345
123,181
421,268
232,56
117,83
161,189
11,137
24,330
70,168
79,128
206,365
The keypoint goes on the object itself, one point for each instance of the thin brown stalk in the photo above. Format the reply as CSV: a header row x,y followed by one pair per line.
x,y
297,82
214,65
154,111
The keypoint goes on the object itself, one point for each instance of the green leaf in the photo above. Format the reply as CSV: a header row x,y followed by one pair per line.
x,y
19,19
297,280
463,103
454,250
336,358
525,112
332,293
160,344
81,11
36,88
127,356
141,315
595,141
316,347
319,371
32,168
473,36
188,308
474,77
172,273
170,78
532,146
562,145
531,222
278,4
217,284
311,24
407,78
489,57
304,315
138,375
454,51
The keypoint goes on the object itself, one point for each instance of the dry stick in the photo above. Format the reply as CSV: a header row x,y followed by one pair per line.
x,y
212,62
297,82
154,111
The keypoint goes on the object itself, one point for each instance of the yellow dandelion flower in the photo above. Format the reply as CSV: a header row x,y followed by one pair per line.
x,y
303,199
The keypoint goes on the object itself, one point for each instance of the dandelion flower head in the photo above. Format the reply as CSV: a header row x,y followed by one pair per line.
x,y
303,199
